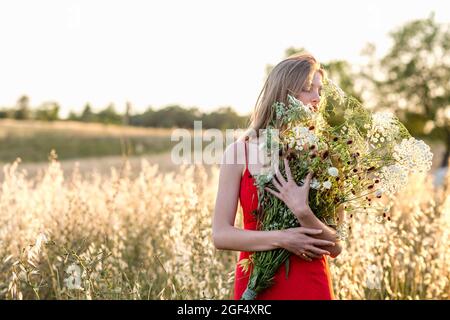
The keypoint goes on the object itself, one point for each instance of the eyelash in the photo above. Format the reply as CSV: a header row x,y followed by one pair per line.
x,y
320,91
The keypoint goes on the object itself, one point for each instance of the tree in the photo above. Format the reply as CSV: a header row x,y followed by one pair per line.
x,y
146,119
224,118
22,111
109,115
126,117
87,115
415,79
176,116
48,111
73,116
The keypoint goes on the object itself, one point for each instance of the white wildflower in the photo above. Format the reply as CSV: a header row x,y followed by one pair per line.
x,y
315,184
413,154
327,184
333,171
393,178
384,124
304,135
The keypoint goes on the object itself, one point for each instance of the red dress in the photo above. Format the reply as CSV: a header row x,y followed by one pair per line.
x,y
306,280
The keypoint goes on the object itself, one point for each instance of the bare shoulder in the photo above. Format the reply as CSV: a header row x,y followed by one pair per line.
x,y
234,155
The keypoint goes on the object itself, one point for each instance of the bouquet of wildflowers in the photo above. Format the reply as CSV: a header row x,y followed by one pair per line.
x,y
357,158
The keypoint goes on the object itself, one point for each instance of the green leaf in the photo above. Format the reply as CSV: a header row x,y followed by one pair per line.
x,y
286,265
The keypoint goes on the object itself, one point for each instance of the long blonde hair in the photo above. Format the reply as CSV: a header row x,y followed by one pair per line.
x,y
287,77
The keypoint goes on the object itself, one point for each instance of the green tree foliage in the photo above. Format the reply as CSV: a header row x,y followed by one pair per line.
x,y
224,118
22,111
73,116
168,117
176,116
109,115
416,78
87,115
48,111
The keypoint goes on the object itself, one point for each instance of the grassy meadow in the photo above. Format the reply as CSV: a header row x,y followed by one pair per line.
x,y
139,228
33,140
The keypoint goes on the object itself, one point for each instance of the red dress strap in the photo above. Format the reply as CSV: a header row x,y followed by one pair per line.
x,y
245,148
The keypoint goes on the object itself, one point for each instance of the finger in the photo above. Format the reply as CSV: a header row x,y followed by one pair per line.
x,y
276,194
287,169
320,242
277,184
317,250
280,177
308,178
305,257
310,231
307,184
313,255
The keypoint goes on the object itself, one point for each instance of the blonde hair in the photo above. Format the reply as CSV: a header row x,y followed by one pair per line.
x,y
287,77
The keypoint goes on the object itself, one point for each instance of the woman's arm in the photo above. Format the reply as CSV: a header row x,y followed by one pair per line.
x,y
227,237
308,219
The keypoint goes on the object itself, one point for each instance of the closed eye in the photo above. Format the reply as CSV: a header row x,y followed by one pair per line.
x,y
309,90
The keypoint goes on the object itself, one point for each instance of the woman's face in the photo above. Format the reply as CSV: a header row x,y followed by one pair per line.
x,y
310,93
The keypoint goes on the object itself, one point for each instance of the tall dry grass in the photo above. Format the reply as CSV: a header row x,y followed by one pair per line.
x,y
405,257
149,237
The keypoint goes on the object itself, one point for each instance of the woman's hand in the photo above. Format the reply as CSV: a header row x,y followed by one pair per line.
x,y
300,242
296,199
294,196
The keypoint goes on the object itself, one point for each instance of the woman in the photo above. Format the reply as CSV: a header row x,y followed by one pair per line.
x,y
309,277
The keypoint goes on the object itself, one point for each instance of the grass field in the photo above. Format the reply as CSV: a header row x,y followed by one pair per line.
x,y
149,237
32,141
140,228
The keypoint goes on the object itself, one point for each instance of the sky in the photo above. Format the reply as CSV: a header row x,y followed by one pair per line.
x,y
199,53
